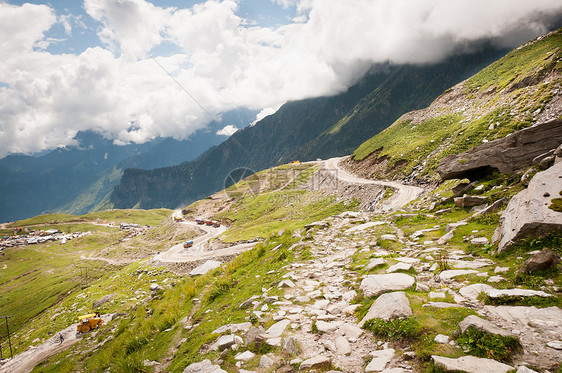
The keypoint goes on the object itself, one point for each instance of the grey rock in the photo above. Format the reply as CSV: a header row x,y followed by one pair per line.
x,y
557,345
473,291
248,303
527,214
276,329
224,342
494,207
440,338
482,325
290,346
375,263
452,226
266,362
479,241
233,328
208,266
102,301
499,293
350,331
448,275
316,362
471,364
342,346
373,285
461,188
155,287
389,237
542,260
467,201
326,327
253,333
245,356
446,238
380,359
389,306
524,369
399,267
318,224
204,366
508,154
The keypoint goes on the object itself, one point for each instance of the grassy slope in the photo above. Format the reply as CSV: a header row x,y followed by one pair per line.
x,y
36,279
498,100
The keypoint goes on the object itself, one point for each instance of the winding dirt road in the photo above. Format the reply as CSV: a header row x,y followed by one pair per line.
x,y
403,193
200,249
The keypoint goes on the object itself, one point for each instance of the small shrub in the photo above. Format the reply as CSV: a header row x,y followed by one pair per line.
x,y
220,287
408,328
487,345
314,327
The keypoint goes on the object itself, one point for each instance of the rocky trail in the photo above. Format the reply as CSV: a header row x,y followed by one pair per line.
x,y
315,323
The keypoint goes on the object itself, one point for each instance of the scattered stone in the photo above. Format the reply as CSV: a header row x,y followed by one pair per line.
x,y
498,293
318,224
482,325
440,338
452,273
471,264
495,279
543,260
524,369
389,237
266,362
350,331
276,329
286,284
446,238
479,241
373,285
208,266
380,359
422,287
155,287
528,214
290,346
233,328
342,346
363,227
204,366
557,345
494,207
474,290
443,211
253,333
316,362
103,300
249,302
275,342
501,269
452,226
224,342
467,201
245,356
326,327
375,263
471,364
389,306
399,267
434,295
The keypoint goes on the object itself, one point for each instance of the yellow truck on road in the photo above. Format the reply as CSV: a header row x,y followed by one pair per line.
x,y
88,322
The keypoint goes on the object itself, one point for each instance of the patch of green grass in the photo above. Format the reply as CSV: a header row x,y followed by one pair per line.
x,y
136,216
46,219
490,346
539,302
519,64
397,329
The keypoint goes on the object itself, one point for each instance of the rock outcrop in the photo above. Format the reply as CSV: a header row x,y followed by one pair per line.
x,y
511,153
528,213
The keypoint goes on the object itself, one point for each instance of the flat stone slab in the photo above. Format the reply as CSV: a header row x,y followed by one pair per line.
x,y
498,293
452,273
208,266
389,306
375,263
474,290
364,226
482,325
373,285
245,356
443,305
316,362
276,329
399,267
471,364
471,264
380,359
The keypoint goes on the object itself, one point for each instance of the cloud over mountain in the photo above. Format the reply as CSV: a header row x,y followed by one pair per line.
x,y
121,87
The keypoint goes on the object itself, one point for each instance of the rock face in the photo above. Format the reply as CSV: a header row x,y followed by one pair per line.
x,y
102,301
467,201
508,154
527,214
482,325
389,306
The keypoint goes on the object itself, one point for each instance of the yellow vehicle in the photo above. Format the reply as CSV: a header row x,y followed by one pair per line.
x,y
88,322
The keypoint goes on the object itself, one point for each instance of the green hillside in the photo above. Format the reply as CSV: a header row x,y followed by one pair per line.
x,y
512,93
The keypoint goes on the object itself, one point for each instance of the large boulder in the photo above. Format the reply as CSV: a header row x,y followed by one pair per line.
x,y
470,364
511,153
542,260
528,212
389,306
373,285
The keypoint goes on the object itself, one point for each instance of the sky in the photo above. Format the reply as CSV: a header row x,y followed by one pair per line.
x,y
135,70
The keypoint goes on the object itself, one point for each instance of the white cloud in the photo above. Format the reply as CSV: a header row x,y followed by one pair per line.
x,y
228,130
224,63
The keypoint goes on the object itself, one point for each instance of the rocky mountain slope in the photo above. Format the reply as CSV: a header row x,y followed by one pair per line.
x,y
522,89
303,130
328,271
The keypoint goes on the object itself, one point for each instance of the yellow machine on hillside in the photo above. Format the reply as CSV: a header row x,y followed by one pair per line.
x,y
89,322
